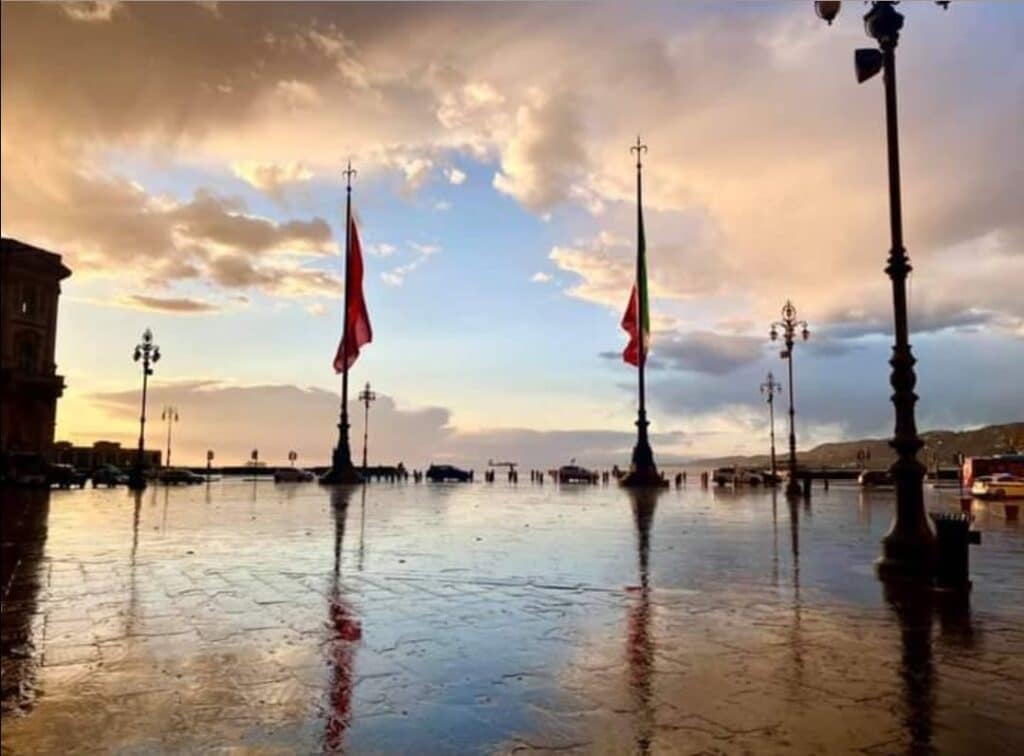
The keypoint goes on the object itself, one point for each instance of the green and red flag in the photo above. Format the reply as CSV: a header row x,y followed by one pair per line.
x,y
357,330
636,321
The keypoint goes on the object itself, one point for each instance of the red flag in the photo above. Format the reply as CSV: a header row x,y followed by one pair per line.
x,y
357,320
630,324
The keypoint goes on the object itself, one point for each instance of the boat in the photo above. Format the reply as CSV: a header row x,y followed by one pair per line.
x,y
998,486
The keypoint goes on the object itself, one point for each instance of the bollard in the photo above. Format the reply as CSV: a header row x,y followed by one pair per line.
x,y
953,536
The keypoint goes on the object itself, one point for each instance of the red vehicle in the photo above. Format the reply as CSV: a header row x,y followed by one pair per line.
x,y
975,467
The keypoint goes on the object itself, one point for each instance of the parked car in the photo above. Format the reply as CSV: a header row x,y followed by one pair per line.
x,y
874,478
174,476
109,476
65,476
576,474
293,475
441,473
998,486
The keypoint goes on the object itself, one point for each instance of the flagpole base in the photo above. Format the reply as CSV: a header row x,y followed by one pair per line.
x,y
341,476
643,477
342,472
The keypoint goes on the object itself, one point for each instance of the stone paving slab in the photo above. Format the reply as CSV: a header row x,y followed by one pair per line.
x,y
494,619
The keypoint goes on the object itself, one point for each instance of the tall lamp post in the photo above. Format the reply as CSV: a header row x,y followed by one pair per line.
x,y
909,546
789,326
149,354
366,396
170,416
769,389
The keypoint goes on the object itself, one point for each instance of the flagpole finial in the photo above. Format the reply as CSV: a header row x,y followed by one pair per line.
x,y
349,173
639,148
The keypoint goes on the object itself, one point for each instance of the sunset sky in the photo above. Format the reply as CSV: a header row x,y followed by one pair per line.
x,y
186,161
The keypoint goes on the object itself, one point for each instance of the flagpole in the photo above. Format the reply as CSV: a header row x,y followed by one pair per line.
x,y
643,472
641,295
342,470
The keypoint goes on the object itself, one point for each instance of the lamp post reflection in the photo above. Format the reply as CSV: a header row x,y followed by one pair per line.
x,y
640,643
796,638
913,609
131,615
362,527
345,633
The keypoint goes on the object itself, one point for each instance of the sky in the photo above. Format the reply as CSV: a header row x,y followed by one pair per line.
x,y
186,160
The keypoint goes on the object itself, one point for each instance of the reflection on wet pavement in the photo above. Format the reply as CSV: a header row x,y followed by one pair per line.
x,y
398,619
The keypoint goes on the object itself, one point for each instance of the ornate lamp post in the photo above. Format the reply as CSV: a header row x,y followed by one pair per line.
x,y
170,416
149,354
908,548
769,389
209,463
789,326
292,456
366,396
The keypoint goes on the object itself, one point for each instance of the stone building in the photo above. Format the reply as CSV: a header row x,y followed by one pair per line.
x,y
29,383
102,453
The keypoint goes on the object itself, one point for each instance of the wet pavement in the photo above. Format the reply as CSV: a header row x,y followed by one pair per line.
x,y
267,618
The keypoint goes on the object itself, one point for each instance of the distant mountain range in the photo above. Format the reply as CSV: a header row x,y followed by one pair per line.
x,y
940,447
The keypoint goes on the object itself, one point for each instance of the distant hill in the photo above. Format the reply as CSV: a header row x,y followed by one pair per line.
x,y
940,446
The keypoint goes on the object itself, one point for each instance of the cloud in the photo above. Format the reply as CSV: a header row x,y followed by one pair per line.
x,y
708,352
415,171
108,223
454,176
272,178
680,262
765,177
540,277
93,11
239,418
279,418
221,221
297,95
425,250
185,305
396,276
545,156
381,249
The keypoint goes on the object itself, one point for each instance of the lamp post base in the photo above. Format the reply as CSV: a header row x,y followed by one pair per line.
x,y
793,490
136,481
907,556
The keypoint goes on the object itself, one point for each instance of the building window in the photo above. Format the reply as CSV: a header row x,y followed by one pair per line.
x,y
27,350
29,301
